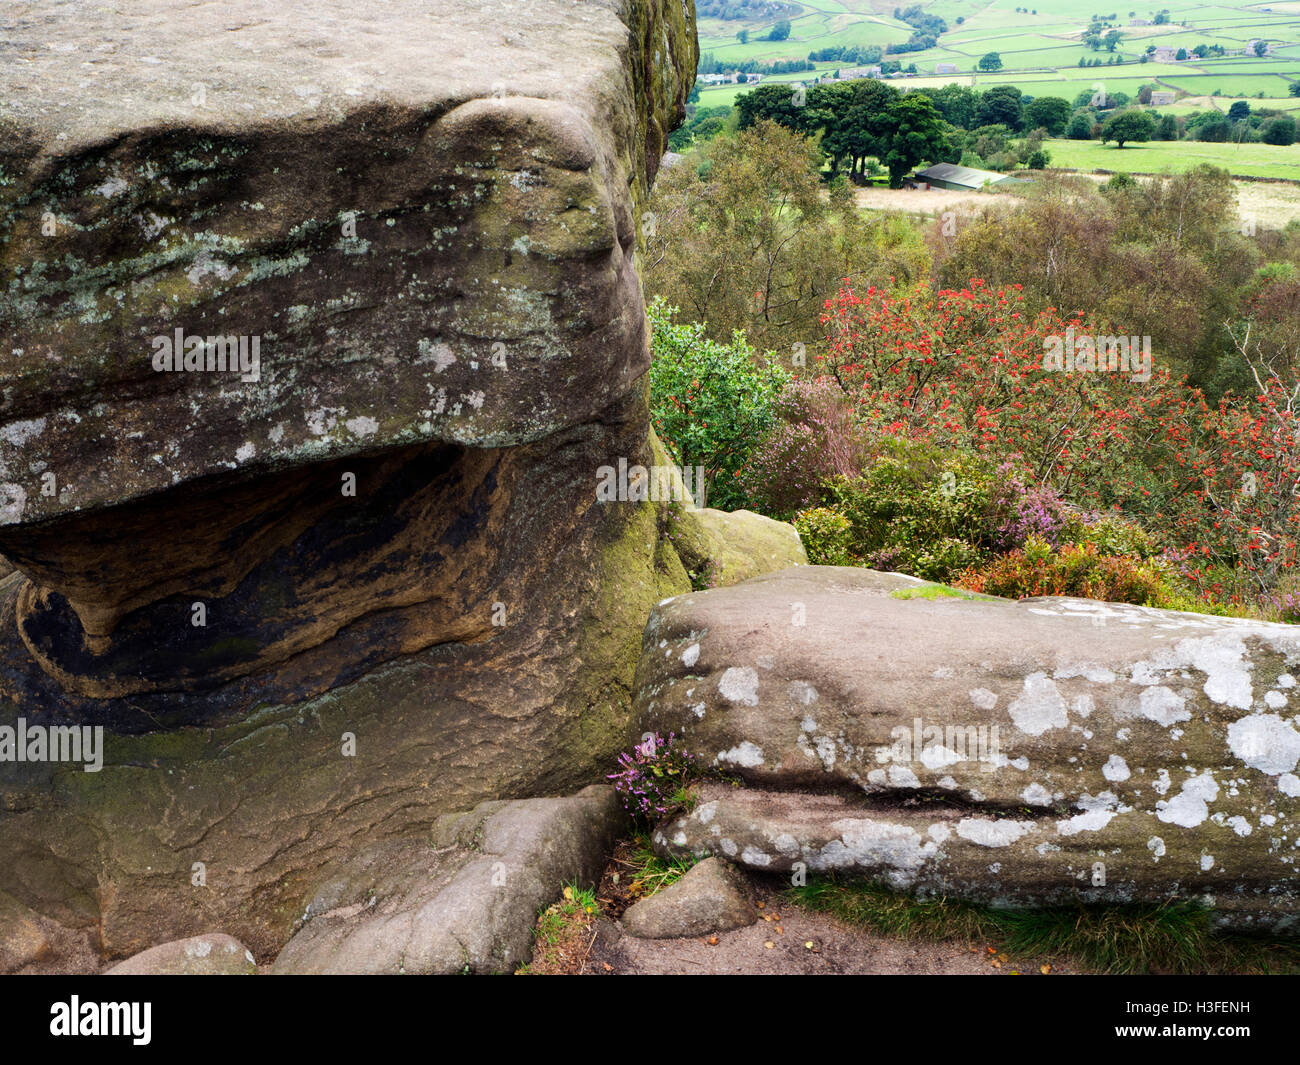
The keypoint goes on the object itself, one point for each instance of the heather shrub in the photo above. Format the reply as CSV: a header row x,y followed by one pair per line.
x,y
1017,512
653,779
815,438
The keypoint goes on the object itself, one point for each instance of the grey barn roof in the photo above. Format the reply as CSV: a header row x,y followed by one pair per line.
x,y
960,175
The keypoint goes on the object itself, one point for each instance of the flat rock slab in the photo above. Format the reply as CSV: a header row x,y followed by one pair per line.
x,y
463,900
711,897
210,955
1018,753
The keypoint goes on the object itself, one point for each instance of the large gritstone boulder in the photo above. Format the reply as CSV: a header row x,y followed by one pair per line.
x,y
1030,753
321,321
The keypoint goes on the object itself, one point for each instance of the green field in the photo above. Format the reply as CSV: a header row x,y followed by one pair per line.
x,y
1253,160
1043,39
1040,47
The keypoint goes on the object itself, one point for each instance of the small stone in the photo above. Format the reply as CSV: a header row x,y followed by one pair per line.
x,y
711,897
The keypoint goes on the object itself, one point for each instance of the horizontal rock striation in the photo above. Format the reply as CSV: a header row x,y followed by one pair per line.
x,y
1026,753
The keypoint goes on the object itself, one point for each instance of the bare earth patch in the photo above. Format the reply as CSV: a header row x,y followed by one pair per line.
x,y
788,940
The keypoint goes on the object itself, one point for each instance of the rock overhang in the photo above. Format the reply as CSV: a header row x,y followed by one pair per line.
x,y
388,250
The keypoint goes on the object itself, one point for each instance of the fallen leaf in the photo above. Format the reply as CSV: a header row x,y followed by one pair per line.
x,y
997,964
809,944
608,968
779,931
713,941
568,893
761,905
1044,969
991,950
769,944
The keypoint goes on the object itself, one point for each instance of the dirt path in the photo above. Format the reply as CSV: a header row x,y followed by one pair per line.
x,y
836,949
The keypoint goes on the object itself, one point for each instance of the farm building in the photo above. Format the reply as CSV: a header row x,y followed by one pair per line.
x,y
945,68
957,178
1162,97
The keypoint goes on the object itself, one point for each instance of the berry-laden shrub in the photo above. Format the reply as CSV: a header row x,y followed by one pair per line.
x,y
710,403
653,779
827,535
1075,570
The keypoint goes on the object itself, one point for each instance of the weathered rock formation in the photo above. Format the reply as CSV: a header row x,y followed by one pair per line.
x,y
1016,753
215,954
712,896
462,898
319,322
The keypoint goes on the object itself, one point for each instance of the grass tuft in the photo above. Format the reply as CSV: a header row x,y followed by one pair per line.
x,y
1173,938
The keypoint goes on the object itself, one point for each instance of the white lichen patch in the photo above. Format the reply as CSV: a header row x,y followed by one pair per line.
x,y
1265,742
987,832
1163,706
1115,769
1089,671
362,426
739,684
1190,807
802,693
691,655
1088,821
1039,706
746,754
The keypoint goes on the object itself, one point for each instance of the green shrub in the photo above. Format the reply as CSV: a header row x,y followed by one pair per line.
x,y
918,510
1110,535
826,535
710,403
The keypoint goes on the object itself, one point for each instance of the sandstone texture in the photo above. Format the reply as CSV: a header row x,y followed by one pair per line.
x,y
1029,753
210,955
721,548
711,897
463,899
317,599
